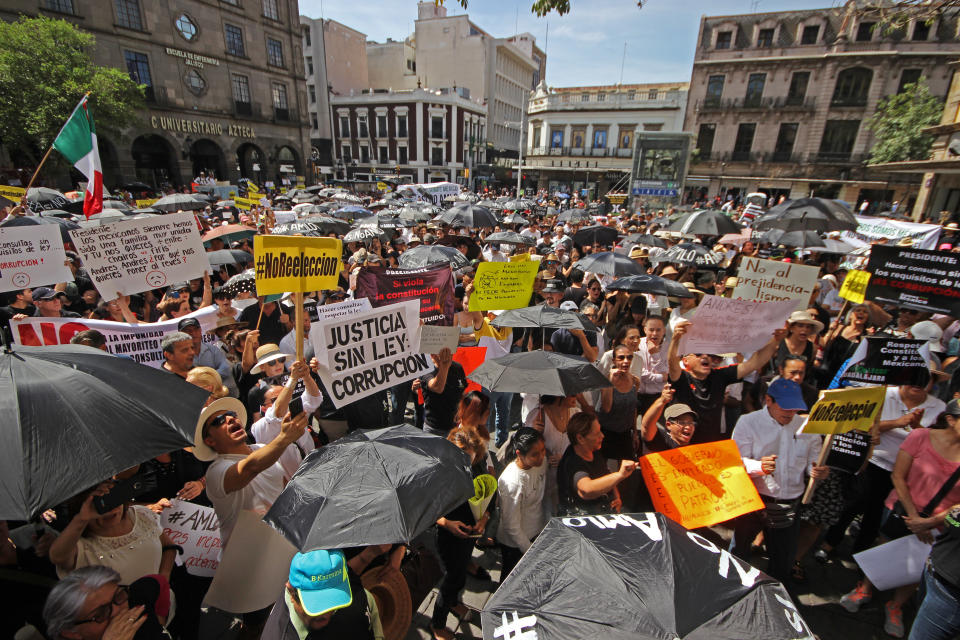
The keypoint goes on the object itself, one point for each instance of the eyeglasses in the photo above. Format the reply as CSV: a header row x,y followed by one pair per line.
x,y
627,357
684,423
104,612
220,419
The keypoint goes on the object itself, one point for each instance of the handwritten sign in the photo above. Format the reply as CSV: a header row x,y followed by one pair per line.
x,y
196,529
434,339
503,285
13,193
143,204
341,309
296,263
700,485
722,325
855,286
842,410
31,257
138,255
767,280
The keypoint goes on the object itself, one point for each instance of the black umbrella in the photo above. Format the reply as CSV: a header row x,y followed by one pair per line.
x,y
517,205
244,281
543,316
228,256
708,222
636,576
424,254
515,218
109,214
180,202
574,215
510,237
352,212
645,240
377,486
57,213
646,283
78,415
468,215
136,186
597,233
415,214
807,214
542,372
119,205
609,263
149,210
42,198
792,238
25,221
689,254
314,226
361,234
321,209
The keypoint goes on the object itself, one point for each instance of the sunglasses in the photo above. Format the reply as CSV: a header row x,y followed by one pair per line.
x,y
623,357
220,419
104,612
277,361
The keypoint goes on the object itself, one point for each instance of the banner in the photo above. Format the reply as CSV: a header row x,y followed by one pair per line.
x,y
855,286
870,230
13,193
435,338
503,285
196,529
470,358
842,410
915,278
296,263
369,351
31,257
722,325
432,286
891,361
700,485
138,255
141,342
767,280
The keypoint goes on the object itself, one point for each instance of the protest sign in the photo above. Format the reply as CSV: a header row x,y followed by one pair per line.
x,y
503,285
855,286
722,325
848,451
141,342
143,204
31,257
196,529
896,563
432,286
341,309
915,278
13,193
766,280
434,338
296,263
138,255
842,410
520,257
891,361
700,485
368,351
245,203
470,358
870,230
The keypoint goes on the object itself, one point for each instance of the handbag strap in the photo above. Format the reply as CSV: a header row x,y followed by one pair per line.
x,y
942,493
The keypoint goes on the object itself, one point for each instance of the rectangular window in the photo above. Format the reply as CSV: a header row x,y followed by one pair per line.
x,y
909,76
601,97
724,39
401,155
599,138
382,127
578,138
755,84
383,155
714,90
744,142
61,6
537,135
362,127
798,87
705,140
810,34
345,154
652,94
402,126
786,138
839,136
241,94
556,139
281,109
436,156
312,90
364,154
313,121
271,10
139,69
765,37
128,14
306,37
626,137
344,126
274,53
921,31
234,37
309,65
865,31
585,97
436,127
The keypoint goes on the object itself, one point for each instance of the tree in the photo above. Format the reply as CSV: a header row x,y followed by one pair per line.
x,y
45,68
899,124
543,7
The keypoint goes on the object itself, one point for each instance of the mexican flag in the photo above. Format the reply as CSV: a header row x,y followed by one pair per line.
x,y
77,142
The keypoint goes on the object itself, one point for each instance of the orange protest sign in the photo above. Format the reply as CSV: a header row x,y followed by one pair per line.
x,y
470,358
700,485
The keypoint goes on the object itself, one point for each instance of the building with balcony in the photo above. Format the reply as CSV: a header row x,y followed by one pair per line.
x,y
412,135
779,102
583,137
224,83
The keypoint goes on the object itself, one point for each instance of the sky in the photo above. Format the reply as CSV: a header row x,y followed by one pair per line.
x,y
585,46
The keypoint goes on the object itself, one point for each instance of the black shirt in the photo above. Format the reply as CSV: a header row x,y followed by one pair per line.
x,y
945,556
575,294
706,398
271,329
439,409
571,465
661,441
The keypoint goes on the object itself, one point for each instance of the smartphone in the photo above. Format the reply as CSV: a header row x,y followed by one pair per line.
x,y
296,406
125,491
173,295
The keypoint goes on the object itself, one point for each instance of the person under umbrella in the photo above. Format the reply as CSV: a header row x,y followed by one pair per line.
x,y
520,489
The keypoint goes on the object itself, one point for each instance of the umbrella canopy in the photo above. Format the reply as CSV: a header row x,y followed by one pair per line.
x,y
542,372
108,214
415,214
384,220
180,202
646,283
78,415
831,245
119,205
609,263
708,222
689,254
515,218
314,226
738,239
647,577
517,205
244,281
645,240
352,212
792,238
509,237
228,256
468,215
377,486
574,215
136,186
230,233
424,254
345,196
310,209
473,249
597,233
807,214
57,213
25,221
362,234
543,316
42,198
149,210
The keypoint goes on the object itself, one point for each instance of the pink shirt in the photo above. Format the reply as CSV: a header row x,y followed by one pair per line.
x,y
927,473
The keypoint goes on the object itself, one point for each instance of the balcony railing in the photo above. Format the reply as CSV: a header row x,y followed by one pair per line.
x,y
781,103
849,101
579,152
784,157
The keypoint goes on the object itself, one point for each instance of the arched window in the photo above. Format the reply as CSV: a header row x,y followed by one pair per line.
x,y
852,87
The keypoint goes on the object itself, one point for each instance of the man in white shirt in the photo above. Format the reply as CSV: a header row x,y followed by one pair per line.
x,y
521,487
777,460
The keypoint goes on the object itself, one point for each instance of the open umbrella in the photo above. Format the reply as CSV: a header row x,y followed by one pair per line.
x,y
597,233
352,212
689,254
645,578
25,221
244,281
468,215
228,256
574,216
541,372
229,233
76,415
543,316
314,227
414,214
515,218
708,222
645,240
646,283
609,263
792,238
57,213
180,202
108,214
807,214
377,486
509,237
42,198
362,234
422,255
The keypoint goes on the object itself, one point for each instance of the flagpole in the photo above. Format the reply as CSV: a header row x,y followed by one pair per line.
x,y
47,154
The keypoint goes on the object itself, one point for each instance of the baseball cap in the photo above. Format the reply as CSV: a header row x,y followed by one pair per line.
x,y
569,305
677,410
320,578
926,330
188,322
179,286
787,394
953,408
46,293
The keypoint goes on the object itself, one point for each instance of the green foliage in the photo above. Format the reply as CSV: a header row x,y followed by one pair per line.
x,y
45,68
899,123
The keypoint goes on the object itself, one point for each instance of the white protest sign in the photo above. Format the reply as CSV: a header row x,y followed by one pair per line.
x,y
369,351
895,563
768,280
871,229
433,338
139,255
138,341
283,217
723,325
342,309
196,529
31,257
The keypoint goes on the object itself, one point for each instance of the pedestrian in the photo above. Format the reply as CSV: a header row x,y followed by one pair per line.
x,y
90,604
441,393
208,354
520,489
586,485
178,352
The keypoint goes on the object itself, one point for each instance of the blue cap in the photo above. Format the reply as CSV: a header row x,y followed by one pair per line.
x,y
787,394
320,578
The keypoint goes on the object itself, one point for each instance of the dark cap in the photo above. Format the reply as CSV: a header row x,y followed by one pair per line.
x,y
554,286
179,286
953,408
46,293
188,322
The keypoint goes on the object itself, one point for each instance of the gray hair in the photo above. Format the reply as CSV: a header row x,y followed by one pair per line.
x,y
173,338
68,597
588,306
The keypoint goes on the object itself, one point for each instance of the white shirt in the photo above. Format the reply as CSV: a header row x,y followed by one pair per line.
x,y
654,367
521,505
757,435
268,427
885,452
605,364
257,496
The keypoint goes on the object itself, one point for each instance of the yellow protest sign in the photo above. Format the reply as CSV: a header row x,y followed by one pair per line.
x,y
520,257
383,186
13,193
700,485
503,285
246,203
854,286
842,410
252,188
296,263
143,204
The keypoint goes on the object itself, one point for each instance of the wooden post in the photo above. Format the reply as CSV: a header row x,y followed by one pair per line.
x,y
298,330
39,166
260,317
812,482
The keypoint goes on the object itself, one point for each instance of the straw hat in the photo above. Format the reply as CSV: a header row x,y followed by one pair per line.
x,y
267,353
693,289
201,450
669,271
225,322
639,252
392,595
805,317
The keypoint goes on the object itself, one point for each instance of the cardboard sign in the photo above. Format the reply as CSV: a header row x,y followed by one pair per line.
x,y
143,204
296,263
855,286
849,451
245,203
896,563
432,286
890,361
434,339
138,255
722,325
767,280
341,309
13,193
842,410
196,529
503,285
700,485
915,278
369,351
870,230
32,257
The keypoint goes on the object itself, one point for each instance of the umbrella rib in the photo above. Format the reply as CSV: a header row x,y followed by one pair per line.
x,y
383,467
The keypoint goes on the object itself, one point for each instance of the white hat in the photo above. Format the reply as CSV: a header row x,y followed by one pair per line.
x,y
569,305
267,353
930,331
201,450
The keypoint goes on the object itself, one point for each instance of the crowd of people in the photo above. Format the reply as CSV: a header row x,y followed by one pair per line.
x,y
89,573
